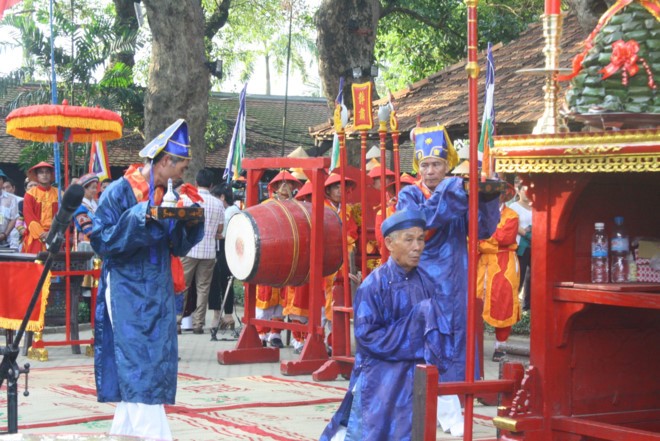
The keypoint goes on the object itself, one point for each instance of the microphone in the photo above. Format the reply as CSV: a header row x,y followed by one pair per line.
x,y
71,200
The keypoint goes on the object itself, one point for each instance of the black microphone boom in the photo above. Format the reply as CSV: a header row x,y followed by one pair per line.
x,y
71,200
9,369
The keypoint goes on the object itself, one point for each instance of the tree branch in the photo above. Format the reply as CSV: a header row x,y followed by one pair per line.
x,y
421,18
217,20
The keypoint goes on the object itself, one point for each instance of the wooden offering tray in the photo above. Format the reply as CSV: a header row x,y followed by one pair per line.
x,y
177,213
490,186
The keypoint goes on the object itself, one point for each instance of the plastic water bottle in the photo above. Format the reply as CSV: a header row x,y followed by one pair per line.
x,y
632,268
599,246
169,200
619,249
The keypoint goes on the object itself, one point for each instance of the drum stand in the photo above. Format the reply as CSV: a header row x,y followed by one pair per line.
x,y
237,330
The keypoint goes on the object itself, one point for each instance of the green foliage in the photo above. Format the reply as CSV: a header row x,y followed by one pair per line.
x,y
522,327
216,129
409,49
259,30
34,153
86,41
239,293
83,312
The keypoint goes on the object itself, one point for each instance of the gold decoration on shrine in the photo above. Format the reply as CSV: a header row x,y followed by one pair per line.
x,y
590,150
622,137
580,164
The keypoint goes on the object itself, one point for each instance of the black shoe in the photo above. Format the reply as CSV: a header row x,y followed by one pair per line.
x,y
198,331
498,356
214,334
297,351
276,343
264,343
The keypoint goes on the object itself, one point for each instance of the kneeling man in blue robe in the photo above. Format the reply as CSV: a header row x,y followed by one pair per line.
x,y
400,321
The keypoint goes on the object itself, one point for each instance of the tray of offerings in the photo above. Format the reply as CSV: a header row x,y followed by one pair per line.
x,y
178,213
488,187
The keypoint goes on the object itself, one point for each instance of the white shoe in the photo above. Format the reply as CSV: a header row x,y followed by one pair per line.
x,y
457,429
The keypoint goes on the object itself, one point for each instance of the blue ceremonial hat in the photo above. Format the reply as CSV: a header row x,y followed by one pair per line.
x,y
433,142
3,175
173,141
402,220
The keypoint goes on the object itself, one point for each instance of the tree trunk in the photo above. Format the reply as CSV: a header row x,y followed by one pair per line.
x,y
589,11
179,80
346,39
125,19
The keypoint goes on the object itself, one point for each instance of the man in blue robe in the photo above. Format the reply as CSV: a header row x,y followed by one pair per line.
x,y
399,323
136,352
444,203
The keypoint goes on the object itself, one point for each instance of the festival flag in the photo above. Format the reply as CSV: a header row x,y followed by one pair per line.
x,y
486,141
362,114
339,106
98,160
237,144
6,4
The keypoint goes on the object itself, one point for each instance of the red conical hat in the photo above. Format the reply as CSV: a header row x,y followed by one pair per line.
x,y
335,178
405,179
305,190
32,172
283,176
375,172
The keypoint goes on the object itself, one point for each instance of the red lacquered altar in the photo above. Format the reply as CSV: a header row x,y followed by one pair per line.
x,y
595,359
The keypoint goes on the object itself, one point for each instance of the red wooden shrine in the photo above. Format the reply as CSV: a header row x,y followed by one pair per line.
x,y
594,359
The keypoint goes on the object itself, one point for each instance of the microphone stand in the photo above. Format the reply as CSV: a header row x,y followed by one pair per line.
x,y
9,369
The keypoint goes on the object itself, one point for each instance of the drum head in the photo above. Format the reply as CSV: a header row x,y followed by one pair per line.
x,y
241,244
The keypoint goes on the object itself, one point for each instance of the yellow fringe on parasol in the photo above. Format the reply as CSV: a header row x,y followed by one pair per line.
x,y
48,123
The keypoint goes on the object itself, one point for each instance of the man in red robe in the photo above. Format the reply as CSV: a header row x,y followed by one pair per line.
x,y
271,301
39,207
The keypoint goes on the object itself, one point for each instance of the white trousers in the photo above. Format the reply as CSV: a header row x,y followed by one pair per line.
x,y
450,416
138,419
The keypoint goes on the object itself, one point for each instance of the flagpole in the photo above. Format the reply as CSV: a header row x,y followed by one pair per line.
x,y
363,121
472,69
394,126
383,117
234,156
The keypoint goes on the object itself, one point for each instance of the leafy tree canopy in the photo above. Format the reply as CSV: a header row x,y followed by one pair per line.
x,y
417,38
258,30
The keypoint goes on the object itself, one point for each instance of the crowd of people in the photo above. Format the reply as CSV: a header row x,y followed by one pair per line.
x,y
410,309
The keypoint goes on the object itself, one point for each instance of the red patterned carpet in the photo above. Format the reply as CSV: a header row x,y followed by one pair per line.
x,y
63,400
258,408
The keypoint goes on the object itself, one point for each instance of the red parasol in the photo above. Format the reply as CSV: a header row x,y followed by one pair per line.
x,y
51,122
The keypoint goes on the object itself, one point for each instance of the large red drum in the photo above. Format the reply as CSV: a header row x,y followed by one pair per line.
x,y
269,243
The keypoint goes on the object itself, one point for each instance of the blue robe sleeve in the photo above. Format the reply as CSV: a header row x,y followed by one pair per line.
x,y
449,202
386,339
489,217
120,224
183,238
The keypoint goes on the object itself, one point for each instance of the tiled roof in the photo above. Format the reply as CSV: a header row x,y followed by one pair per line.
x,y
439,99
264,129
264,124
442,98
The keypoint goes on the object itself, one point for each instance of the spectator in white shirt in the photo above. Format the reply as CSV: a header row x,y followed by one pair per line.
x,y
199,262
8,212
222,286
